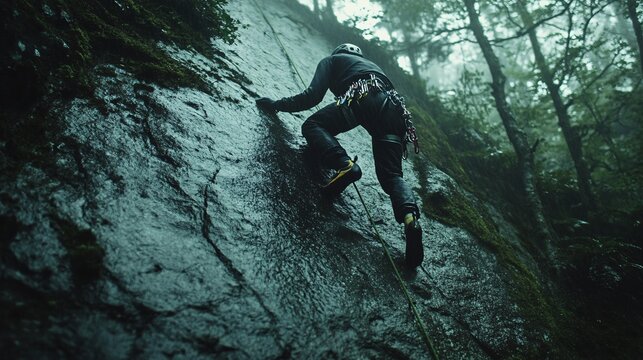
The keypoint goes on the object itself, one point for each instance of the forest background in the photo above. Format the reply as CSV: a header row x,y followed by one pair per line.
x,y
555,83
549,91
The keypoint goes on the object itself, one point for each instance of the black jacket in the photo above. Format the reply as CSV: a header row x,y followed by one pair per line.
x,y
335,72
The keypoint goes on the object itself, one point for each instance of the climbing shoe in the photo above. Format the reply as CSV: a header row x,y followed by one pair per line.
x,y
414,249
342,178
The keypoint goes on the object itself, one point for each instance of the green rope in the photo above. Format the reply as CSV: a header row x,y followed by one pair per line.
x,y
281,45
414,310
416,314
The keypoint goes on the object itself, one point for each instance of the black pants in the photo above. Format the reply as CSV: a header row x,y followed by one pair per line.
x,y
380,117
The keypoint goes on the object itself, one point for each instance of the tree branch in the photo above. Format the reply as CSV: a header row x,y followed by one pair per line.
x,y
428,38
595,79
565,58
504,7
568,67
524,31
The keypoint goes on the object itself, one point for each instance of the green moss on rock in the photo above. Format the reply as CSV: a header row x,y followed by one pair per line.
x,y
84,252
58,41
454,208
434,145
53,46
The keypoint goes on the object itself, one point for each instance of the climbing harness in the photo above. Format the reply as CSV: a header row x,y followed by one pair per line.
x,y
411,134
416,314
360,88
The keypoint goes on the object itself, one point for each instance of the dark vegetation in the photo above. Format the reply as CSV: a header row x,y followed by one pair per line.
x,y
49,50
50,47
53,44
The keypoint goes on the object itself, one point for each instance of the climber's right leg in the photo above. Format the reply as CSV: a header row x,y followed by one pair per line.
x,y
320,130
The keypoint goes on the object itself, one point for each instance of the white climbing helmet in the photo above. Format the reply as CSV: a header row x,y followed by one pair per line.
x,y
348,49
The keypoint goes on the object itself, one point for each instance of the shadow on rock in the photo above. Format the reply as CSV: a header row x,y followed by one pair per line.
x,y
292,188
293,176
85,254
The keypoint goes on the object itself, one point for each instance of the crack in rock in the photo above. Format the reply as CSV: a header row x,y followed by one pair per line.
x,y
227,262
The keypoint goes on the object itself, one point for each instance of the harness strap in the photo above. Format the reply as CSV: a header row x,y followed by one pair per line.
x,y
349,116
360,88
391,138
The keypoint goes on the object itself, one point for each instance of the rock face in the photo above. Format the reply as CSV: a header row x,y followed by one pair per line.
x,y
175,223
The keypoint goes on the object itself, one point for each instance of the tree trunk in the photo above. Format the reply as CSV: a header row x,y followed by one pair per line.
x,y
636,24
415,68
329,9
316,7
572,138
517,137
624,25
411,53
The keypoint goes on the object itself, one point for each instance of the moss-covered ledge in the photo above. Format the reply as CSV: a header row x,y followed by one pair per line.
x,y
52,44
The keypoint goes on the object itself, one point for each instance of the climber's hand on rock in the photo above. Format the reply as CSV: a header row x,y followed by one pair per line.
x,y
266,103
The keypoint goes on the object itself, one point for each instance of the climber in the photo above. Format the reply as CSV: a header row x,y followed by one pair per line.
x,y
365,96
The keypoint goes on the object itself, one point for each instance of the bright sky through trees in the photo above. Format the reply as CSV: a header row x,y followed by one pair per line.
x,y
364,11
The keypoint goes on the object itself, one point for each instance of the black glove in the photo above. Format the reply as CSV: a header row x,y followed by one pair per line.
x,y
266,103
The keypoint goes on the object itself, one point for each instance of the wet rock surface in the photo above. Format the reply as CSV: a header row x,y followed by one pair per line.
x,y
175,223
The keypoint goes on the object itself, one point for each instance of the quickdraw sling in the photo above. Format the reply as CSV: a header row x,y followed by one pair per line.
x,y
361,87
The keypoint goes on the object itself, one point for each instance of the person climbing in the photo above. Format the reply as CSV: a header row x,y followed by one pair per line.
x,y
365,96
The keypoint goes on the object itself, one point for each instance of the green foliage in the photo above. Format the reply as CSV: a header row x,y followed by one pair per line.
x,y
457,209
413,18
413,25
471,97
63,39
434,146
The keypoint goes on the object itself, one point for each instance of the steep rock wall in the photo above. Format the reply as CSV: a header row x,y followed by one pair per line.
x,y
173,222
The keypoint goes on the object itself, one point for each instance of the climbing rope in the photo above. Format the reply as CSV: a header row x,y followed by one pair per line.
x,y
407,294
281,45
416,314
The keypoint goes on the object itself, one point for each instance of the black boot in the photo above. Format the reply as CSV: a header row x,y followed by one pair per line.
x,y
414,248
342,178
